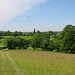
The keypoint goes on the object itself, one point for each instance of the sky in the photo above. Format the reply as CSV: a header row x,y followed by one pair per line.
x,y
43,15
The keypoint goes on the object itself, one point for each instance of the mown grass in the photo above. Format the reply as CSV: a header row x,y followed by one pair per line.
x,y
39,62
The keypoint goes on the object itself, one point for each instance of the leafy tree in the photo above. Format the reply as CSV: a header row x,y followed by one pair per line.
x,y
51,45
8,33
38,32
11,44
34,32
16,42
1,33
56,44
15,33
45,41
67,37
68,27
26,44
20,33
36,41
69,41
22,43
65,31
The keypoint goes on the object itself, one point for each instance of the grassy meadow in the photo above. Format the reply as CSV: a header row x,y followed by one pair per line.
x,y
32,62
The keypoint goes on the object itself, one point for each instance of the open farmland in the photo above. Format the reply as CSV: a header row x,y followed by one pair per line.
x,y
24,37
28,62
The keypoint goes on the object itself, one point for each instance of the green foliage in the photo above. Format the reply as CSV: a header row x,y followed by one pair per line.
x,y
51,46
34,32
42,40
62,34
68,28
36,41
45,41
16,33
65,31
17,42
38,32
64,41
67,37
11,43
69,41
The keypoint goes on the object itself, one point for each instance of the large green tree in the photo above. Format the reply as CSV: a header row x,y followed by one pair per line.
x,y
45,41
67,37
69,41
36,41
17,42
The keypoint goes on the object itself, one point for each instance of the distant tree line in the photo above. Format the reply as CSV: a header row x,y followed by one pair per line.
x,y
16,33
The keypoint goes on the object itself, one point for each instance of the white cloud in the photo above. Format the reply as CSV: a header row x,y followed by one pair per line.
x,y
12,8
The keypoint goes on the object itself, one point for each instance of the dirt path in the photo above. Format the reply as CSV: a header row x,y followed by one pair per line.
x,y
17,70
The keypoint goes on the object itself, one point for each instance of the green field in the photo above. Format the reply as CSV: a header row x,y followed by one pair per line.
x,y
28,62
24,37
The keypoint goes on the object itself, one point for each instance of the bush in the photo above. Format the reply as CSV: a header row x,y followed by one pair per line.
x,y
11,44
14,42
25,46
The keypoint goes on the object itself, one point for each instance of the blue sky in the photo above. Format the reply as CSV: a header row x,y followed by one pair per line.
x,y
43,15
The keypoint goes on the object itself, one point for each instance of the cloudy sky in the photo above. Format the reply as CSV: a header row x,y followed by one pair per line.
x,y
43,15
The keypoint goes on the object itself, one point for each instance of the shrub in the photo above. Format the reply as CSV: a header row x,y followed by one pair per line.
x,y
11,44
14,42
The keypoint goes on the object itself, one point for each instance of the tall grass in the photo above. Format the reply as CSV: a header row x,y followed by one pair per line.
x,y
6,68
42,63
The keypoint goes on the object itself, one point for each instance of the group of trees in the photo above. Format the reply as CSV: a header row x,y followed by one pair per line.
x,y
16,42
16,33
64,42
44,42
